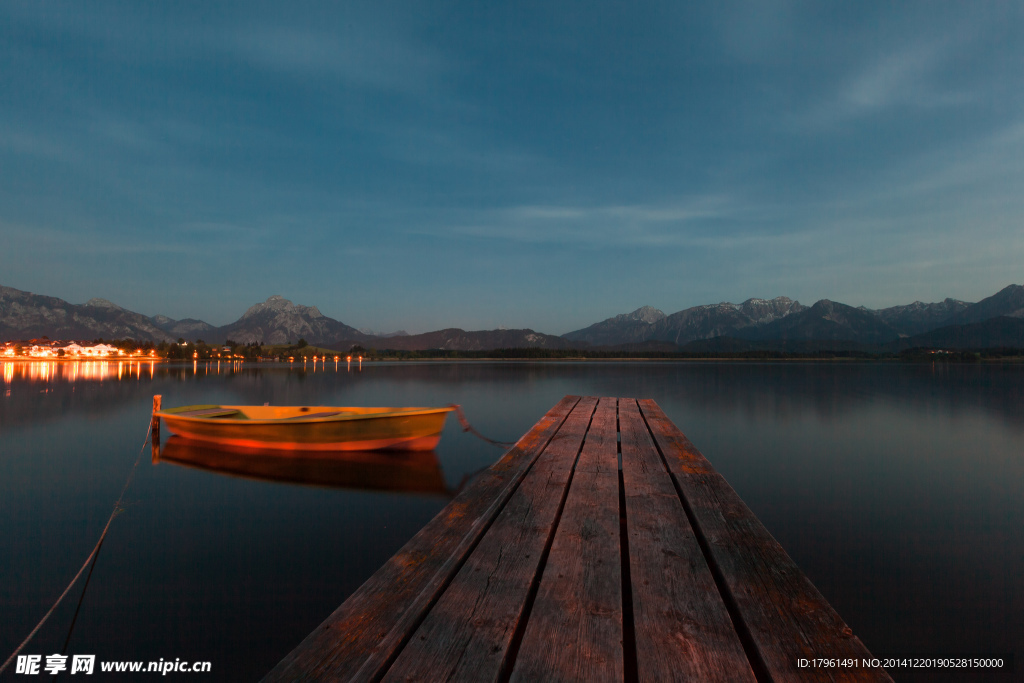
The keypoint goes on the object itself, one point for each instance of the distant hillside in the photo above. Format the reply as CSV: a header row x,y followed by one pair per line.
x,y
1001,332
724,319
725,345
187,328
24,315
626,328
454,339
756,324
1008,301
279,321
785,320
826,321
919,317
698,322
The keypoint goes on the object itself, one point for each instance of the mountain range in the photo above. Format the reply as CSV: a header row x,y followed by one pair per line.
x,y
779,323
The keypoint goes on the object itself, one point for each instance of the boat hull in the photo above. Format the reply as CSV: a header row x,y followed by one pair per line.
x,y
324,429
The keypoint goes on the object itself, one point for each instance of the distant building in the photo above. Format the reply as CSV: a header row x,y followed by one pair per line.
x,y
36,348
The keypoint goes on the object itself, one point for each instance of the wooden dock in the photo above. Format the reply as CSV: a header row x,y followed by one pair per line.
x,y
602,547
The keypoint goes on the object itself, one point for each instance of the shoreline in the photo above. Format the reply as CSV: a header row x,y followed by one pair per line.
x,y
566,359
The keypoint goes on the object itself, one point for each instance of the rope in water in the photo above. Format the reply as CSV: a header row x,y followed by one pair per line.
x,y
116,511
466,427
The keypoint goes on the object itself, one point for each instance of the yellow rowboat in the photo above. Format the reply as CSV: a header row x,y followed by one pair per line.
x,y
309,428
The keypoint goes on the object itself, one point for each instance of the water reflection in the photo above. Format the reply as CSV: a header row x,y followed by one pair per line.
x,y
407,472
896,488
74,371
43,389
102,370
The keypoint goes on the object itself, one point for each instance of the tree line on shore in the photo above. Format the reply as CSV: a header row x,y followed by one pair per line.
x,y
301,350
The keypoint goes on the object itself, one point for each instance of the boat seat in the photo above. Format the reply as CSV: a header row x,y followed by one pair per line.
x,y
209,412
305,415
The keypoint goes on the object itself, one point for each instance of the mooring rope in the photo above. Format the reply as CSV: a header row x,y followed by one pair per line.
x,y
81,598
466,427
116,511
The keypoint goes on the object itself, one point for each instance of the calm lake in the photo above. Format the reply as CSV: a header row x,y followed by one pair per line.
x,y
898,489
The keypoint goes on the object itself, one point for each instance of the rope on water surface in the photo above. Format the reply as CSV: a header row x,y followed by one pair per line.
x,y
466,427
118,509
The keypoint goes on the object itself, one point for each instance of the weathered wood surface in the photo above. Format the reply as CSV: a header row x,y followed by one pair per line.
x,y
575,629
557,566
683,630
467,634
368,629
783,614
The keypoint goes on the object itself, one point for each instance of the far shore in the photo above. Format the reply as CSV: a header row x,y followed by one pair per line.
x,y
958,358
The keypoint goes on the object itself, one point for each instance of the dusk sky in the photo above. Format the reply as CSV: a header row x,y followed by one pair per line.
x,y
547,165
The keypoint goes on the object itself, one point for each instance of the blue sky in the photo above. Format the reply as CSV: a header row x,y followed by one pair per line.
x,y
545,165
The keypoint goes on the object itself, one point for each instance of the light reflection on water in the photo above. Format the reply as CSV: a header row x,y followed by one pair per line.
x,y
898,489
101,370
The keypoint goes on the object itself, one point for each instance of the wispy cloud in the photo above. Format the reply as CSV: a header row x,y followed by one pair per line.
x,y
19,140
712,222
380,58
991,164
750,29
373,49
26,239
905,77
902,78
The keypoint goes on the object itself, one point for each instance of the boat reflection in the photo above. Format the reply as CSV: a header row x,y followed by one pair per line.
x,y
405,472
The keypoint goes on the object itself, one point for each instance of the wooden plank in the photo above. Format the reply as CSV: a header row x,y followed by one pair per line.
x,y
682,628
781,614
574,632
363,635
467,634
